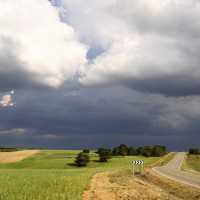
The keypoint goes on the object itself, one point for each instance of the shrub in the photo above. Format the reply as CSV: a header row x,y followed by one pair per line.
x,y
82,159
86,151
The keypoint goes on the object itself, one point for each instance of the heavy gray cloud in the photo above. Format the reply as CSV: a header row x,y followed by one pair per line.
x,y
144,41
86,117
102,43
100,73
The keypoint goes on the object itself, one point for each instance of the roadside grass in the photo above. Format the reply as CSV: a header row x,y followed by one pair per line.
x,y
51,175
179,190
163,160
192,162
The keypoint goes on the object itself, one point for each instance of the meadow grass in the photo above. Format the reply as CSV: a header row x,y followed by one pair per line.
x,y
51,175
192,162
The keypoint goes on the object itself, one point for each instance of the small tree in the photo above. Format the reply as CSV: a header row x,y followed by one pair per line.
x,y
86,151
99,150
82,159
105,155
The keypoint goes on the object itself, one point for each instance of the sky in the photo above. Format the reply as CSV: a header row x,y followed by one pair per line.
x,y
77,74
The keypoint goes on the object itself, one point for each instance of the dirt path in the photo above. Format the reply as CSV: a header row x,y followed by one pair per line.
x,y
10,157
116,186
100,188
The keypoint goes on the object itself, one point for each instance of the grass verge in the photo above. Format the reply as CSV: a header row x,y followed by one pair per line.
x,y
192,163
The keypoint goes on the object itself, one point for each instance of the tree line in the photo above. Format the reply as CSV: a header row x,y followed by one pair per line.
x,y
8,149
105,154
194,151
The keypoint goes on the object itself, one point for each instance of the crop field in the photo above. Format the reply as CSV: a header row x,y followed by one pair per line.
x,y
193,162
15,156
51,175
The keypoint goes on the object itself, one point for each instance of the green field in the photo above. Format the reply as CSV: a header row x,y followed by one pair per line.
x,y
50,175
193,162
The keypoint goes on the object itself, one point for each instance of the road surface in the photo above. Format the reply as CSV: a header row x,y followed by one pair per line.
x,y
173,171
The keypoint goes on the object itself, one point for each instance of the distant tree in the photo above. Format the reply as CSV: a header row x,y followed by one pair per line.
x,y
86,151
8,149
82,159
123,150
155,151
115,151
105,155
139,150
99,150
147,151
132,151
194,151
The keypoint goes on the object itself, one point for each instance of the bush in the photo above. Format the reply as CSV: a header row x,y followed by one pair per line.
x,y
82,159
99,150
86,151
104,155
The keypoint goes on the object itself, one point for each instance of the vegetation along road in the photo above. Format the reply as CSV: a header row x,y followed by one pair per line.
x,y
173,171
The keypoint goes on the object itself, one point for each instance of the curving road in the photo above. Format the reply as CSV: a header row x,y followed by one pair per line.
x,y
173,171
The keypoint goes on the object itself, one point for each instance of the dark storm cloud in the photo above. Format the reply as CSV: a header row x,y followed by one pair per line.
x,y
132,76
176,86
90,117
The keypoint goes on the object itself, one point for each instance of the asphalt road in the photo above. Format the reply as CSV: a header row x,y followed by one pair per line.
x,y
173,171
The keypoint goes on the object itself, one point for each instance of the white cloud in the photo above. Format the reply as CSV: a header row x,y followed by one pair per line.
x,y
142,39
45,48
12,131
6,101
139,40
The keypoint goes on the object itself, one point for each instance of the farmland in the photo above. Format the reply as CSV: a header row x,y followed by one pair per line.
x,y
51,175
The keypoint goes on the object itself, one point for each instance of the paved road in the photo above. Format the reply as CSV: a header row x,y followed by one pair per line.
x,y
172,170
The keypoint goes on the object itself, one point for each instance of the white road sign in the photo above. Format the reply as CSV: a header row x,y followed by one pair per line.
x,y
137,162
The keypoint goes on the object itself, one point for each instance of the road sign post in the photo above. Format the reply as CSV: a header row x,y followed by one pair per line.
x,y
137,164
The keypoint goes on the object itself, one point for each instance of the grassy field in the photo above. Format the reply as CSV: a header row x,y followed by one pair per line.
x,y
50,175
192,162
